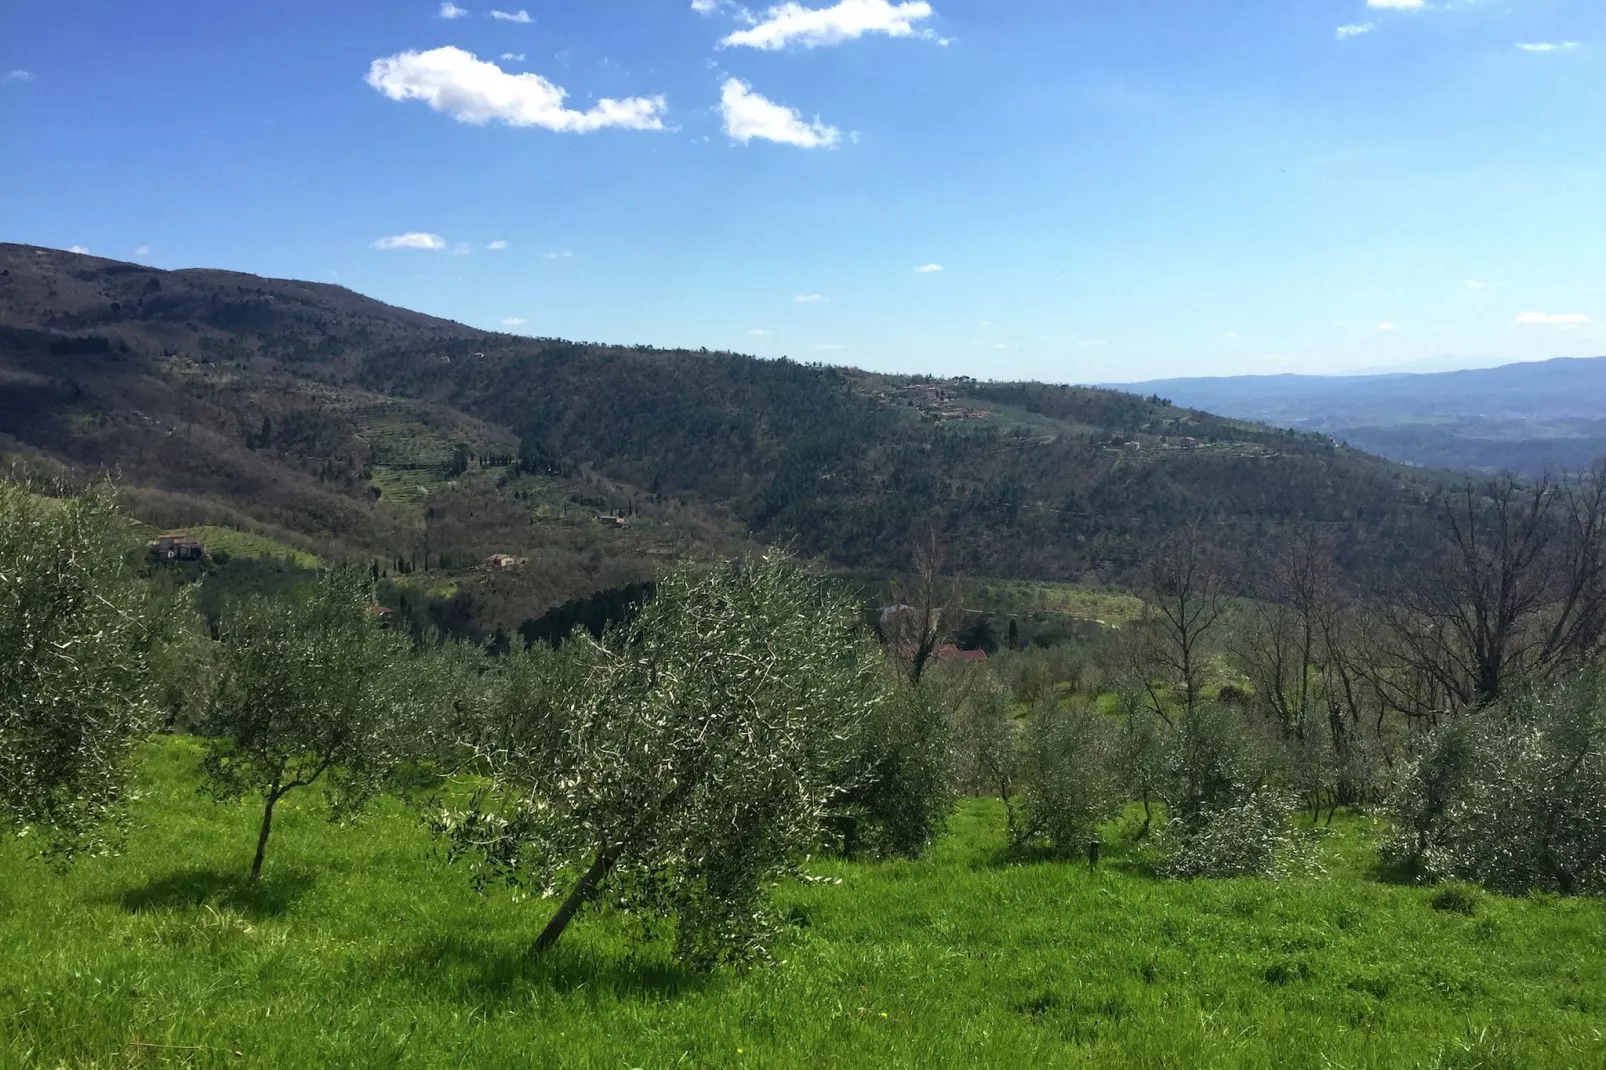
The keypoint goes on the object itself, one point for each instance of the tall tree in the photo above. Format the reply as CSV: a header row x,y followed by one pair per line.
x,y
1185,599
1515,596
78,634
925,608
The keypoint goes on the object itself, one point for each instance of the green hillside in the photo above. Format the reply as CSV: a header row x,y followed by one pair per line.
x,y
376,433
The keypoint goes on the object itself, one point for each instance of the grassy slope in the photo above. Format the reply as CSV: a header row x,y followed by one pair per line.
x,y
360,951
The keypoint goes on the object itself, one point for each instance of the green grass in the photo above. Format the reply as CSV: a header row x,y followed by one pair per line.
x,y
361,950
244,544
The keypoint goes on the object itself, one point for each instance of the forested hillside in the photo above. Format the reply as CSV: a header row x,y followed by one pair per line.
x,y
342,425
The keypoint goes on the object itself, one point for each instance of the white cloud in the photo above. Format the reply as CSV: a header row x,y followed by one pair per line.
x,y
759,332
79,249
791,23
513,57
1546,319
1231,336
497,246
513,321
1548,46
411,240
459,84
142,252
749,115
1398,5
811,299
705,7
1387,326
1355,30
462,248
1474,284
520,15
17,76
1093,342
564,255
929,269
450,10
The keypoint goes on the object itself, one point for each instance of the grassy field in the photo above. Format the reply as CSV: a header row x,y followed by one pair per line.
x,y
361,950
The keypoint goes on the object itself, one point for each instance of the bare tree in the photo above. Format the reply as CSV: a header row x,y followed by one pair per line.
x,y
924,609
1184,600
1515,596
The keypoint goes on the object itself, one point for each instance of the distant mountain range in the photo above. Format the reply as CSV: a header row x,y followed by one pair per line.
x,y
1519,417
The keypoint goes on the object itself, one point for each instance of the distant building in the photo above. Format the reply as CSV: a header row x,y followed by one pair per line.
x,y
176,546
613,521
950,652
384,616
505,562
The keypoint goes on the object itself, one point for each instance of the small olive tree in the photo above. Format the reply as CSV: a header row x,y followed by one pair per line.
x,y
1513,795
77,635
1227,813
310,689
1070,778
903,774
681,764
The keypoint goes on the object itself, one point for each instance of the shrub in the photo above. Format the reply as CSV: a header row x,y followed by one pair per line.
x,y
1070,779
904,774
1512,796
1226,816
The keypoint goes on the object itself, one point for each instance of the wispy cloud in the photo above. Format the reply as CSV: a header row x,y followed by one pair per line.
x,y
411,240
1547,46
513,321
450,10
1549,319
1231,336
1355,30
17,76
564,255
749,115
1398,5
497,246
520,15
792,23
1387,326
79,249
830,347
811,299
142,252
929,269
470,90
1093,342
462,248
513,57
1475,284
759,332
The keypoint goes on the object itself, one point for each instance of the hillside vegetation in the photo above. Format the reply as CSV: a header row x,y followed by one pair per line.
x,y
377,433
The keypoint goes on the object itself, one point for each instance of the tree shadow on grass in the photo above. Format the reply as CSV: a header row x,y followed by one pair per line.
x,y
481,969
186,889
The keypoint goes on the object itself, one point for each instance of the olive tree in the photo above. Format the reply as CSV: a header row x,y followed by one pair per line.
x,y
1070,778
310,690
77,635
682,763
1513,795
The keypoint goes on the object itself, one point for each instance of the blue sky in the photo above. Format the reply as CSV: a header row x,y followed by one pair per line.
x,y
1112,191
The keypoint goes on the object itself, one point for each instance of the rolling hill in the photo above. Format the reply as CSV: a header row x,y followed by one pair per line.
x,y
1519,417
349,428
